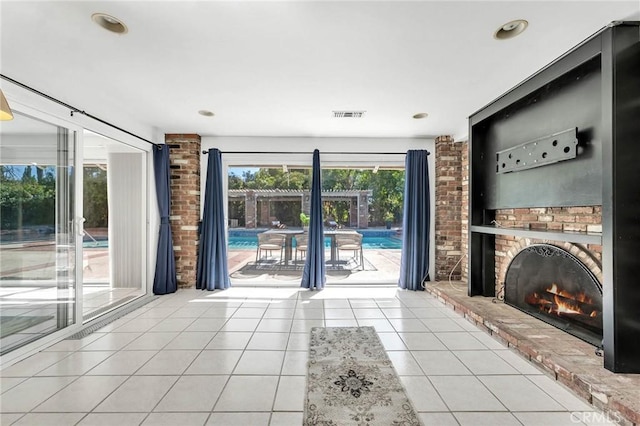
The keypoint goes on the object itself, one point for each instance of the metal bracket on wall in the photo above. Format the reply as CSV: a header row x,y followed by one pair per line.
x,y
539,152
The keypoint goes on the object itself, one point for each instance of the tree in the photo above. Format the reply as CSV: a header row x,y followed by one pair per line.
x,y
387,188
340,179
387,196
27,201
95,202
276,178
236,182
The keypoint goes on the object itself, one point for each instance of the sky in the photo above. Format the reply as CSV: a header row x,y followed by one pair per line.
x,y
238,171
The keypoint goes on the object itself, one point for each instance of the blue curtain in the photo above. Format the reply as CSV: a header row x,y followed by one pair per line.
x,y
414,263
314,276
164,280
212,270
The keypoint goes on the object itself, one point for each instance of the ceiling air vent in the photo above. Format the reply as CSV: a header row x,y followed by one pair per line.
x,y
348,114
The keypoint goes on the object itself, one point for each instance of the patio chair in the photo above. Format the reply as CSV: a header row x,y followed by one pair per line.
x,y
302,245
351,242
276,224
269,242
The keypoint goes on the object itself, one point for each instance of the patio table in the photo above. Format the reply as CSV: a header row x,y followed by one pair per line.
x,y
288,243
290,233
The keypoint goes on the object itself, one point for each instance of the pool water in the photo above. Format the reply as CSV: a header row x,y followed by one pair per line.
x,y
95,244
372,243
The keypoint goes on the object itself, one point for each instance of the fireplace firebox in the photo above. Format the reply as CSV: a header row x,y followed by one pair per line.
x,y
553,285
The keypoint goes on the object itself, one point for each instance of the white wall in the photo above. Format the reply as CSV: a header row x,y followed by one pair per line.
x,y
361,151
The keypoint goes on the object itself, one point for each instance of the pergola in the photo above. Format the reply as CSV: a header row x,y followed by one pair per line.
x,y
255,217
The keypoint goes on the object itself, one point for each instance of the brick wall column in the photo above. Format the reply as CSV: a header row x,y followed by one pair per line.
x,y
184,156
363,214
448,214
353,212
306,204
264,217
250,210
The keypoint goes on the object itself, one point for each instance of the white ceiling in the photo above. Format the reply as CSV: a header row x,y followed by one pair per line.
x,y
271,68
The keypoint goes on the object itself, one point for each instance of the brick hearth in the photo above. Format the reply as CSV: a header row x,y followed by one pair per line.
x,y
563,357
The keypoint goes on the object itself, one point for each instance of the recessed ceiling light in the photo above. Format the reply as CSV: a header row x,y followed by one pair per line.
x,y
110,23
510,29
420,115
206,113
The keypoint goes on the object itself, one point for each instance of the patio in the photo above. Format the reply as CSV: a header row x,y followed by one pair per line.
x,y
380,266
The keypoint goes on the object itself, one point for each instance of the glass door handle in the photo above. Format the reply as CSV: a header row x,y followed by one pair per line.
x,y
80,226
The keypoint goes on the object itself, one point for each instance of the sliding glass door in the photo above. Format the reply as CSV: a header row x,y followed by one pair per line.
x,y
265,203
38,291
114,210
362,215
53,274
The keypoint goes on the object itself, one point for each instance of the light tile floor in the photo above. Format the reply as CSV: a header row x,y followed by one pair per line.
x,y
238,357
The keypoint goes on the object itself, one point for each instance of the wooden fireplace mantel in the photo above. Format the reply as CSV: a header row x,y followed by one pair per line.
x,y
594,89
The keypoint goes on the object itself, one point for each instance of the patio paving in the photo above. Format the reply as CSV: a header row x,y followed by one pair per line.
x,y
381,266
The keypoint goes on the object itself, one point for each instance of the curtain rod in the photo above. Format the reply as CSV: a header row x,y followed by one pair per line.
x,y
206,151
74,110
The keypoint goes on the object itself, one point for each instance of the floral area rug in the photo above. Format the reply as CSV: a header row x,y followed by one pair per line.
x,y
351,381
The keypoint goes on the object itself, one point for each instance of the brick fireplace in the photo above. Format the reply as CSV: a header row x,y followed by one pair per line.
x,y
586,219
554,160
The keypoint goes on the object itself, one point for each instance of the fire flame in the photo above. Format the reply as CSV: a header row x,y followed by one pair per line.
x,y
563,307
580,297
562,302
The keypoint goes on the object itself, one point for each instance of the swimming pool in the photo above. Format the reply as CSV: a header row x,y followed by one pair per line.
x,y
95,244
371,242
